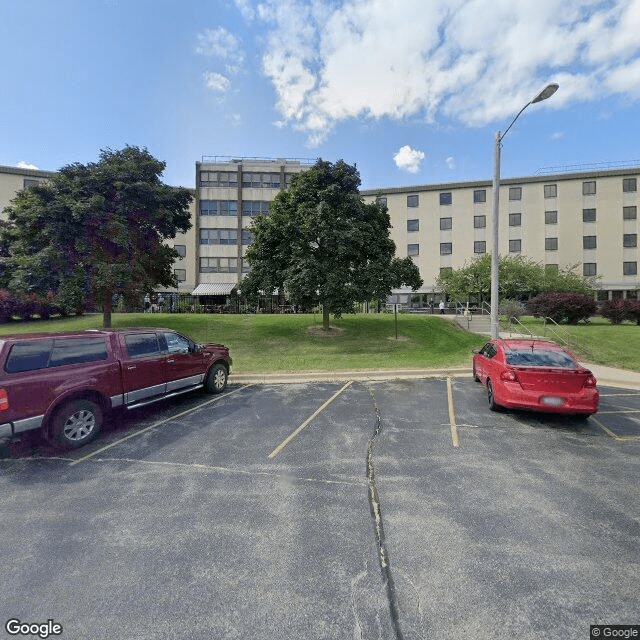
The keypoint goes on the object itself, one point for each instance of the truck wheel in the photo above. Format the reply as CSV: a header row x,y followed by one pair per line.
x,y
76,422
216,380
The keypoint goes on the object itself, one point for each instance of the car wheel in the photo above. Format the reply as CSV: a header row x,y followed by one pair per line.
x,y
582,416
76,423
475,375
216,379
491,398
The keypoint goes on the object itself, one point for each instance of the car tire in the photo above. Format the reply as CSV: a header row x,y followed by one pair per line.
x,y
491,397
582,416
216,379
475,375
76,423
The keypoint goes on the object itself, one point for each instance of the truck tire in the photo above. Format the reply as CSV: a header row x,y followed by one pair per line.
x,y
76,423
216,379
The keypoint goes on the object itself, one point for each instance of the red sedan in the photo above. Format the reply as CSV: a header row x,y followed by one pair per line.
x,y
536,375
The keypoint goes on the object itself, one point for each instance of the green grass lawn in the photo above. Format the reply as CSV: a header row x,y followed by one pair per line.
x,y
598,341
263,343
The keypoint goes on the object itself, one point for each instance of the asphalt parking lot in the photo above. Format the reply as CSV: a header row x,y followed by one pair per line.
x,y
397,509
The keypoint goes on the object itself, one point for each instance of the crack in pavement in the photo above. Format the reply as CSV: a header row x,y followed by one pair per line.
x,y
376,514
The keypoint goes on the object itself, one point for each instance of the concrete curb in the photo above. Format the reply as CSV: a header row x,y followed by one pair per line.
x,y
606,376
344,376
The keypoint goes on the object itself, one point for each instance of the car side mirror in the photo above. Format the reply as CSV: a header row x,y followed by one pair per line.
x,y
476,350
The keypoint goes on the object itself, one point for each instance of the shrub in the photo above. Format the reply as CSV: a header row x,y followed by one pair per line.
x,y
513,309
633,311
563,307
614,310
618,310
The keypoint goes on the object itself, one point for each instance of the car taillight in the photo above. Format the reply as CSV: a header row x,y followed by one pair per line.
x,y
4,400
589,383
509,376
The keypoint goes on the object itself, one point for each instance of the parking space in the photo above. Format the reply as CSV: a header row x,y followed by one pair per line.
x,y
402,508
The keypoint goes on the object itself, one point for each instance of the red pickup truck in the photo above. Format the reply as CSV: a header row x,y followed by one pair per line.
x,y
64,383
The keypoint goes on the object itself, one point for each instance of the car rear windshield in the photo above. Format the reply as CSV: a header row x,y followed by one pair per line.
x,y
540,358
40,354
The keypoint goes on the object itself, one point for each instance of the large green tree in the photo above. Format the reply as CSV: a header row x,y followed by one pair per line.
x,y
520,277
323,245
97,229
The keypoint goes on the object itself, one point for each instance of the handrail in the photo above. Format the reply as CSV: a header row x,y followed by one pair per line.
x,y
514,320
564,337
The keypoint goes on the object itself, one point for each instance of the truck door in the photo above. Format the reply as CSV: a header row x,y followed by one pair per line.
x,y
143,371
184,367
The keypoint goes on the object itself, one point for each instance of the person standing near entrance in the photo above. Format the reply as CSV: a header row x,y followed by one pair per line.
x,y
441,307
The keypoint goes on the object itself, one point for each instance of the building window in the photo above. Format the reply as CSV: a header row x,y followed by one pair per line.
x,y
218,207
247,237
413,201
551,244
382,201
551,217
629,268
629,213
218,265
446,248
588,242
445,271
255,208
551,268
479,246
219,179
589,269
629,185
515,219
515,246
26,183
515,193
218,236
630,240
588,215
261,180
413,225
479,222
181,274
550,190
181,249
589,188
446,197
480,195
413,249
446,223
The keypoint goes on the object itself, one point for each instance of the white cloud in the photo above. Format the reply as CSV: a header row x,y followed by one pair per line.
x,y
474,61
450,162
218,43
25,165
246,9
558,135
216,81
408,159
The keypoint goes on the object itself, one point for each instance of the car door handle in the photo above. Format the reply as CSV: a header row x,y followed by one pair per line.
x,y
131,367
170,361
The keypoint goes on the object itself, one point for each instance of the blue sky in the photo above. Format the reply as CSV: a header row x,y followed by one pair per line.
x,y
412,91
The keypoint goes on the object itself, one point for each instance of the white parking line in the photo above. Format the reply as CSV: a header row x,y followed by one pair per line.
x,y
285,442
154,425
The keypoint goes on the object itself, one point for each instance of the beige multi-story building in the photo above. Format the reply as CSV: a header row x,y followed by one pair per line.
x,y
229,194
586,220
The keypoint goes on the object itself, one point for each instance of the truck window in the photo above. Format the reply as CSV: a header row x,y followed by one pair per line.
x,y
28,356
176,343
76,350
141,344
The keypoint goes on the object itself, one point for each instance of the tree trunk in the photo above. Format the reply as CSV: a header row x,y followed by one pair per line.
x,y
325,318
106,310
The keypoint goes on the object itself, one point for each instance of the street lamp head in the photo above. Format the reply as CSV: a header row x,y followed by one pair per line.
x,y
547,92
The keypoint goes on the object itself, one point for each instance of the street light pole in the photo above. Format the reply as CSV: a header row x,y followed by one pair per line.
x,y
547,92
